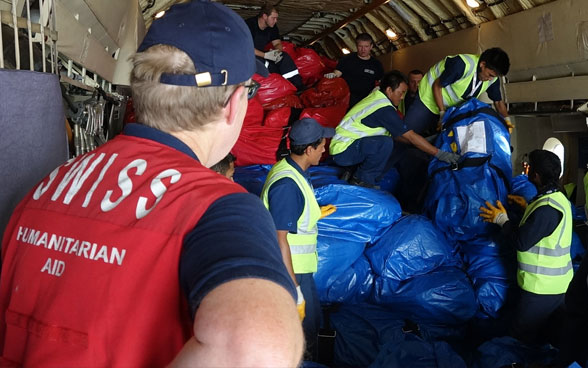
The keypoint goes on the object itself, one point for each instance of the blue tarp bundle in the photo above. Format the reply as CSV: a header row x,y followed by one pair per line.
x,y
362,215
252,177
455,196
344,274
415,352
364,331
521,186
412,246
444,296
505,351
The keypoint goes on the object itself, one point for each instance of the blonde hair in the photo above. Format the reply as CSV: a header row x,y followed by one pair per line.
x,y
167,107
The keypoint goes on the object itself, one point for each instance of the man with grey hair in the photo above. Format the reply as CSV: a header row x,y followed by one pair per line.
x,y
136,254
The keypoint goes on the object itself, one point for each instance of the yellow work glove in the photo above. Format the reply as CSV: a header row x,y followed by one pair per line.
x,y
509,124
518,200
327,210
496,215
300,304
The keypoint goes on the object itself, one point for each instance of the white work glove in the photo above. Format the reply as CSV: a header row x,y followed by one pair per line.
x,y
273,55
330,75
300,303
449,157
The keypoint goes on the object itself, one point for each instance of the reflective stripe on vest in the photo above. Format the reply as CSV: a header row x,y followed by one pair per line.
x,y
351,128
453,92
546,268
303,243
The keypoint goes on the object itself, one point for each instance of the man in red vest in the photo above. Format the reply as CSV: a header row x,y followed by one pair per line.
x,y
136,254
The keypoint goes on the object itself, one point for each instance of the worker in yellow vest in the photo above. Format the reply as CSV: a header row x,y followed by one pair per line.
x,y
365,137
289,196
456,79
542,239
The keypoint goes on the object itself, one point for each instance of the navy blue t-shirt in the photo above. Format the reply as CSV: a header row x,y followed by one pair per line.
x,y
361,75
225,244
454,69
286,201
262,37
388,118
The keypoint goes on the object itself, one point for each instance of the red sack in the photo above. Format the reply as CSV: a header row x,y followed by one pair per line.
x,y
290,49
257,145
273,87
328,117
330,64
254,115
309,66
328,92
277,118
290,101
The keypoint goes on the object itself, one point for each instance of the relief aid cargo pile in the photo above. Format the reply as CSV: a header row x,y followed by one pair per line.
x,y
431,290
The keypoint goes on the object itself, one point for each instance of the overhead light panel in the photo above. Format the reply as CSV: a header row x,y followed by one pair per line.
x,y
473,4
391,34
159,14
345,50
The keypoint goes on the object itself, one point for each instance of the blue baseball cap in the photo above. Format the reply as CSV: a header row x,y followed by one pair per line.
x,y
217,40
308,130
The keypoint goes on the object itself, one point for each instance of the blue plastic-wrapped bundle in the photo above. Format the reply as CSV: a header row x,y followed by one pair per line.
x,y
362,215
506,351
344,274
323,174
364,330
252,177
521,186
412,246
491,265
389,181
415,352
444,296
455,194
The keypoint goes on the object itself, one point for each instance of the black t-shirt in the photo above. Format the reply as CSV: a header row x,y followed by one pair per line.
x,y
361,75
262,37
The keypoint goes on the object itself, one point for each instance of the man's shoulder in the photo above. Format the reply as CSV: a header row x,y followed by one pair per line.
x,y
252,23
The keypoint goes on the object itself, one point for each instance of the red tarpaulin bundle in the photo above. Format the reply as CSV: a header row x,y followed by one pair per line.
x,y
330,64
290,49
309,66
254,115
277,118
328,117
258,144
273,87
289,101
327,92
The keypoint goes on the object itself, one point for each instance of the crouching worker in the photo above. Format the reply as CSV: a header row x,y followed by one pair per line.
x,y
542,239
289,196
226,166
365,136
149,258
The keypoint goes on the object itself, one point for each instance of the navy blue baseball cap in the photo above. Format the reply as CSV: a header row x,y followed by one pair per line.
x,y
308,130
217,40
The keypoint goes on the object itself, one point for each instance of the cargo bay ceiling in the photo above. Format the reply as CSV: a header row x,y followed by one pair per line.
x,y
331,25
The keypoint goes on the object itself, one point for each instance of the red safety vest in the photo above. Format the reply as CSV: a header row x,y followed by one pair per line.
x,y
91,255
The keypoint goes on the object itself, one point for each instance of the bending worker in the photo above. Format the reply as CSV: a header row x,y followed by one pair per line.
x,y
127,256
289,196
264,30
542,239
456,79
365,136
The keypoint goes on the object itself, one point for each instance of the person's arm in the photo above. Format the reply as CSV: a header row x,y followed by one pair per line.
x,y
438,94
286,255
278,45
419,142
240,294
261,54
501,108
244,322
541,223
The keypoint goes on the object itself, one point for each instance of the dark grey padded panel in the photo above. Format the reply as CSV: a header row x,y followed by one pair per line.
x,y
32,134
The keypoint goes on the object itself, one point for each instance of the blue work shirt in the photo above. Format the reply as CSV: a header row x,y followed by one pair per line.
x,y
454,69
235,238
286,200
